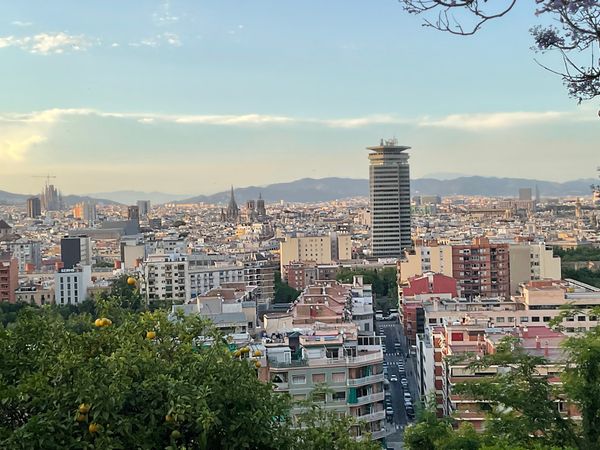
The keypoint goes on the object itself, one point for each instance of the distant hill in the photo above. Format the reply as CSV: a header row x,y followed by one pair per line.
x,y
492,186
327,189
131,197
304,190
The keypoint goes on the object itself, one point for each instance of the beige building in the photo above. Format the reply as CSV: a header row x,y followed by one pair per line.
x,y
433,258
317,249
532,262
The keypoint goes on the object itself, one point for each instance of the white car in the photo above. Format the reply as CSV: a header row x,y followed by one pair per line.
x,y
393,378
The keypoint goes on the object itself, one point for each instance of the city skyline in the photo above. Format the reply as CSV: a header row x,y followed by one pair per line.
x,y
271,94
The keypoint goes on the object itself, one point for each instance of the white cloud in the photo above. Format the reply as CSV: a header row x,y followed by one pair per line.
x,y
467,122
20,23
47,43
474,122
14,147
163,15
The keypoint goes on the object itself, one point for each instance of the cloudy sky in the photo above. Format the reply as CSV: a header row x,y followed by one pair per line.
x,y
190,96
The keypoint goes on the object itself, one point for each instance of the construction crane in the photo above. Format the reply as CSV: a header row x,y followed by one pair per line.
x,y
47,177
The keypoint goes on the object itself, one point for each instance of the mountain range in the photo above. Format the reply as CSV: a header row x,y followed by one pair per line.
x,y
327,189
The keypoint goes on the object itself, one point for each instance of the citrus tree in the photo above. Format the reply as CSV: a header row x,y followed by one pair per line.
x,y
126,380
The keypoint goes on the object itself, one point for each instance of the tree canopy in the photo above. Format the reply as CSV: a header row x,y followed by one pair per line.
x,y
131,380
570,28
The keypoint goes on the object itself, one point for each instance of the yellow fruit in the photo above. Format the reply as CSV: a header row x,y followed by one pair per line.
x,y
257,353
80,417
150,335
94,427
131,281
84,409
98,322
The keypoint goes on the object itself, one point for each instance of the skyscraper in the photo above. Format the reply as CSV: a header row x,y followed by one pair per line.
x,y
389,195
34,207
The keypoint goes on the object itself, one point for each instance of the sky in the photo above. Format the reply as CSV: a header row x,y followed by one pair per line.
x,y
192,96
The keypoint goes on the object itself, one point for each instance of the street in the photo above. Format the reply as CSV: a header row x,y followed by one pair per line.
x,y
395,358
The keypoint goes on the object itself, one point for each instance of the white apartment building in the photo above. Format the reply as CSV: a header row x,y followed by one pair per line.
x,y
166,277
71,285
204,278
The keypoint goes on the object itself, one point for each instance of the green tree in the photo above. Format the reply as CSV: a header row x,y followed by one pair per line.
x,y
284,293
67,383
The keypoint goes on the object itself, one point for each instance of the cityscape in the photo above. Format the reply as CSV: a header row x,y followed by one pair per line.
x,y
224,279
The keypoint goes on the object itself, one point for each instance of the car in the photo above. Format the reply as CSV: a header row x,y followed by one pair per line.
x,y
393,378
404,382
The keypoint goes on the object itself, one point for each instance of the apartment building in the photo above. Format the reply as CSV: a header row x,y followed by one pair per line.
x,y
532,262
429,257
323,249
71,285
445,353
9,277
482,268
166,277
332,355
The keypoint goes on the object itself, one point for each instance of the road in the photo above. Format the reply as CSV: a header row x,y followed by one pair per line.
x,y
393,334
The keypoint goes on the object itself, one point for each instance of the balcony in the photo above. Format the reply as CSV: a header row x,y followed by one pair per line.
x,y
372,417
377,378
365,399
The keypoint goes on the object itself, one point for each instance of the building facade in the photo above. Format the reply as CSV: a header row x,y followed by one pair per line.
x,y
482,268
389,195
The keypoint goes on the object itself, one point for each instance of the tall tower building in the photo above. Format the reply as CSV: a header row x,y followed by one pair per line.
x,y
34,207
389,195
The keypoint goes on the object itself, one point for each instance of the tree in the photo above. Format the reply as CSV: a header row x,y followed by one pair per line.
x,y
576,36
136,381
284,293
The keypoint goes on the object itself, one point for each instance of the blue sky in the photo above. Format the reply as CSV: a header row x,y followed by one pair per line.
x,y
192,96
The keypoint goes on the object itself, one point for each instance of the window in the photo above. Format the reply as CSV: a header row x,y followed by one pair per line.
x,y
338,377
338,396
318,378
299,379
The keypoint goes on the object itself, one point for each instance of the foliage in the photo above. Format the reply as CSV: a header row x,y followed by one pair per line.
x,y
284,293
582,253
67,383
383,281
582,382
584,275
575,37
